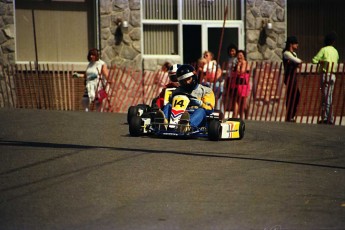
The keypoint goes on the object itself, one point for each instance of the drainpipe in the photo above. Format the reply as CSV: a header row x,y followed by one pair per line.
x,y
98,25
35,40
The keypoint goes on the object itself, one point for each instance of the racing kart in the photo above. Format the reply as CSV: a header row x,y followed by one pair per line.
x,y
150,123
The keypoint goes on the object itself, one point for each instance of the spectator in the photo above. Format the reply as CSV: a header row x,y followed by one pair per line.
x,y
232,53
166,66
200,71
230,83
241,72
327,57
291,62
210,69
213,73
96,75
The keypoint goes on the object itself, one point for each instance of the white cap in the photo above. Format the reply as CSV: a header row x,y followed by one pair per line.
x,y
184,76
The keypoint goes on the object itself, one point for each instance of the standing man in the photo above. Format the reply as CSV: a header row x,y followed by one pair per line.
x,y
291,62
328,58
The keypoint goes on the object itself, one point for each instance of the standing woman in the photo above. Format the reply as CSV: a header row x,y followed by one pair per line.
x,y
241,71
213,73
210,67
291,62
96,70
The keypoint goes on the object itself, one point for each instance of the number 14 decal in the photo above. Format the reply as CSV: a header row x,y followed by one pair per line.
x,y
180,103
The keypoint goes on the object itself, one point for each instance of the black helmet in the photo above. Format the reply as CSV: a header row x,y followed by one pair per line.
x,y
184,72
172,72
291,40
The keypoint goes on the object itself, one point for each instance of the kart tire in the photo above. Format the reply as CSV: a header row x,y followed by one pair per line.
x,y
242,126
143,106
135,126
132,111
142,109
214,130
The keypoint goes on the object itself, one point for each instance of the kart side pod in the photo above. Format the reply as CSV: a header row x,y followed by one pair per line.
x,y
233,128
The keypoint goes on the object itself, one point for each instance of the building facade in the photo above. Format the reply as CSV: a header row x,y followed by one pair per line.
x,y
139,34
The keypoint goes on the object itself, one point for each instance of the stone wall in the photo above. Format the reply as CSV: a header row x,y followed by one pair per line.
x,y
7,43
121,45
264,44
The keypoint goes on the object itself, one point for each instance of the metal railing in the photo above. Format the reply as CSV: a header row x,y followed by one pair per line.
x,y
55,87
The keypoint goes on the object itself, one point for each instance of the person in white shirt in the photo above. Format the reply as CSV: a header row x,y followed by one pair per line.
x,y
96,75
213,75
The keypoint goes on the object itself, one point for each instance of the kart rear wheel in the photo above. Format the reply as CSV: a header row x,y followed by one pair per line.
x,y
214,130
135,126
132,111
242,126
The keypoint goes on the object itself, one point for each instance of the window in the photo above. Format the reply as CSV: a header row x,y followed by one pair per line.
x,y
168,26
54,30
211,9
160,39
160,9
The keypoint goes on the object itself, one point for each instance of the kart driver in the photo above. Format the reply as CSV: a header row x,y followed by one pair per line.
x,y
202,97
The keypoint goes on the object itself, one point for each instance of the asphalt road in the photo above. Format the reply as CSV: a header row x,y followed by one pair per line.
x,y
75,170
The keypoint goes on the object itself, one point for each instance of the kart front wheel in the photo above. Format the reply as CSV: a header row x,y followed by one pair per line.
x,y
132,111
135,126
214,130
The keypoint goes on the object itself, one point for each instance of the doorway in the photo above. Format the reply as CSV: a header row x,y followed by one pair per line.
x,y
191,43
214,35
198,38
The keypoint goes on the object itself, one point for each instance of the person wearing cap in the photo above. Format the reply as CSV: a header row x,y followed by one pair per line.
x,y
327,58
291,62
172,85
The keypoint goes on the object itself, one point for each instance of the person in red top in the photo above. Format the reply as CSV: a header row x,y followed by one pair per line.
x,y
241,71
173,84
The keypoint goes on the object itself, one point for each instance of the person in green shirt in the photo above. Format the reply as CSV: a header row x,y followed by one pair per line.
x,y
327,58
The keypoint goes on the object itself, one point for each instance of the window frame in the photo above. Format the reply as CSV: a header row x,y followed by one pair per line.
x,y
91,7
205,24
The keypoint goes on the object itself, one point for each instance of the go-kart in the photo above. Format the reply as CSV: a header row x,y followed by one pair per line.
x,y
150,122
